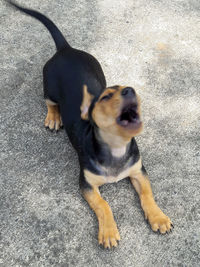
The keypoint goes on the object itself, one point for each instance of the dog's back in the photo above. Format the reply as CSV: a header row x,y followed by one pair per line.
x,y
66,73
64,77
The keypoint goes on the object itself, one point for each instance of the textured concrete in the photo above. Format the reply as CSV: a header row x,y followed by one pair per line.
x,y
152,45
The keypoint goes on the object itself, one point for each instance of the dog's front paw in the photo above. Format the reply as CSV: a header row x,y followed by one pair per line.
x,y
159,221
108,235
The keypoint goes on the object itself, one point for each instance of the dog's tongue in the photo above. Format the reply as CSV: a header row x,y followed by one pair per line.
x,y
124,122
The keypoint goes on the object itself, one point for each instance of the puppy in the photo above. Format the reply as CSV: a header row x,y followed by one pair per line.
x,y
101,123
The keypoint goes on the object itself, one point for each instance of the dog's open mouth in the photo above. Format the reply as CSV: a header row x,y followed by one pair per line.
x,y
129,117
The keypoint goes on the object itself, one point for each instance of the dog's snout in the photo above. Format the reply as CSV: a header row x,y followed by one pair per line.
x,y
128,92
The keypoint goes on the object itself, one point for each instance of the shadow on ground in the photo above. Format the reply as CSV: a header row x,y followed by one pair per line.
x,y
44,221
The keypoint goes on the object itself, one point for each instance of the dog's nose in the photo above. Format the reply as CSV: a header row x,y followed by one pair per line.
x,y
128,92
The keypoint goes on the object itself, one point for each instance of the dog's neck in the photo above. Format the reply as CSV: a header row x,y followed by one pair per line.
x,y
117,144
118,152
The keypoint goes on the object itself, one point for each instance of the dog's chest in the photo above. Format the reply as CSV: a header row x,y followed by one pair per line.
x,y
112,173
115,172
115,179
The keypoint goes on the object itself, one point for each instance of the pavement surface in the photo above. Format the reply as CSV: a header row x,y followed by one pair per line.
x,y
152,45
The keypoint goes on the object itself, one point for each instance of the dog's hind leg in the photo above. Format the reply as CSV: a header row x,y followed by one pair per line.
x,y
53,119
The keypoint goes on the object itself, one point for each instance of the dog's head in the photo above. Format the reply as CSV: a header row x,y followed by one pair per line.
x,y
115,111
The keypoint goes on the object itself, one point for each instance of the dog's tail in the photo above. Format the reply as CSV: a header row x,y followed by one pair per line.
x,y
57,36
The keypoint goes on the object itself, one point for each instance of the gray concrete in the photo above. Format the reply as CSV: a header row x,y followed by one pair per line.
x,y
152,45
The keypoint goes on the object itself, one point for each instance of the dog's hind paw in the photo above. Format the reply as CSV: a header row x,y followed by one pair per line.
x,y
53,119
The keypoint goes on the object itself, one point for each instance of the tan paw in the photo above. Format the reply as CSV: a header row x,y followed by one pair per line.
x,y
109,235
53,120
159,221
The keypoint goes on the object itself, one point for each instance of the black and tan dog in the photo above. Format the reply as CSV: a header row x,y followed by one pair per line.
x,y
101,124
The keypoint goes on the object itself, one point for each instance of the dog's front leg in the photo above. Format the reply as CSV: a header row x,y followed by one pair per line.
x,y
108,232
157,219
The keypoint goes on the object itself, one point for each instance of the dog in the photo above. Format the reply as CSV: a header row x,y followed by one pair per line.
x,y
101,123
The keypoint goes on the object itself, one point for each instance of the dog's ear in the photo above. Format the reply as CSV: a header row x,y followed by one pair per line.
x,y
87,100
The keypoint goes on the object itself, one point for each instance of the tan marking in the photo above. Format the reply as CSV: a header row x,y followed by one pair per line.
x,y
53,118
106,111
94,179
108,232
50,102
114,141
87,99
98,180
157,219
105,114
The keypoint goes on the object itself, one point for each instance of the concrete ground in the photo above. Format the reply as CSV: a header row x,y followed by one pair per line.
x,y
152,45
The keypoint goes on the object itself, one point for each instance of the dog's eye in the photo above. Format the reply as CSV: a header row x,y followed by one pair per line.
x,y
107,97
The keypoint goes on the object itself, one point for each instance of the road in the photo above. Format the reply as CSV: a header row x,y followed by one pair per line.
x,y
151,45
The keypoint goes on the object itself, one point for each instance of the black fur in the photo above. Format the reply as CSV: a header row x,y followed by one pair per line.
x,y
64,76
